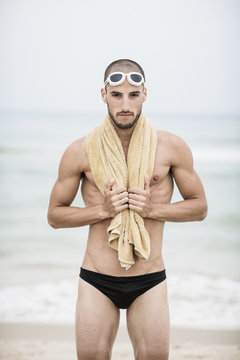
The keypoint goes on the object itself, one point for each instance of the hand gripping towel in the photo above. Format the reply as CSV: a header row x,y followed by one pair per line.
x,y
127,233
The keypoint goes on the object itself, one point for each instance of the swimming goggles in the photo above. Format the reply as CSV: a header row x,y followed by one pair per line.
x,y
117,78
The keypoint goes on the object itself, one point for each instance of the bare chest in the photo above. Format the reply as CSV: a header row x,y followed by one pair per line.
x,y
161,183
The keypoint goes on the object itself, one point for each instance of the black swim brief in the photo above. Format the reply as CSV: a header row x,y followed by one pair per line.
x,y
122,290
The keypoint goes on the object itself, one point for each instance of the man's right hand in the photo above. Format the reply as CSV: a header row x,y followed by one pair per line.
x,y
115,200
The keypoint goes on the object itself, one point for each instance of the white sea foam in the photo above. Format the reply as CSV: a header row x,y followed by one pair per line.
x,y
45,303
195,301
202,302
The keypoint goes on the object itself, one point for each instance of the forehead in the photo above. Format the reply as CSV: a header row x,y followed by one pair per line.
x,y
124,68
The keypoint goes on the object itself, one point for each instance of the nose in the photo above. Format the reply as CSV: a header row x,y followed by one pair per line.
x,y
125,104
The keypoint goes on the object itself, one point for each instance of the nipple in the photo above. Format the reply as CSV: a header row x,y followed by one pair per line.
x,y
155,178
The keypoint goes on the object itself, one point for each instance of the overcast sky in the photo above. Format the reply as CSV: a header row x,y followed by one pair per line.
x,y
54,53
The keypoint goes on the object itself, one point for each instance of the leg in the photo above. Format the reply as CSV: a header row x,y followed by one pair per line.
x,y
148,324
97,321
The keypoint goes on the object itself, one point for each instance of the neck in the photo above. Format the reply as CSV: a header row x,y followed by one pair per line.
x,y
125,134
125,137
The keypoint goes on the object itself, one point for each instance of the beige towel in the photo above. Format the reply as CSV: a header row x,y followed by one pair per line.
x,y
127,233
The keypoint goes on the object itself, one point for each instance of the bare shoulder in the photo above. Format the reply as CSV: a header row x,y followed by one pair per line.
x,y
177,149
74,157
170,139
75,148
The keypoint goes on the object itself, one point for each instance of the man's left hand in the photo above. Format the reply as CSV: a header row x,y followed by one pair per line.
x,y
140,200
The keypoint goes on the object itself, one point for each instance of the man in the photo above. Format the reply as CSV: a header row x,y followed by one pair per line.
x,y
104,285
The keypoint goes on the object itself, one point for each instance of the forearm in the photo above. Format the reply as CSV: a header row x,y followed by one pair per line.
x,y
71,216
182,211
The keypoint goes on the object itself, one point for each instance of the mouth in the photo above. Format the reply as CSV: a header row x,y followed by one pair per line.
x,y
125,114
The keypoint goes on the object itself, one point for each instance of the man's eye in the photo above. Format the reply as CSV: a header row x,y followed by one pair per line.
x,y
134,94
115,95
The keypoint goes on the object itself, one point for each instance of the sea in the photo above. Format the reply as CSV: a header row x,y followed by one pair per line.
x,y
39,266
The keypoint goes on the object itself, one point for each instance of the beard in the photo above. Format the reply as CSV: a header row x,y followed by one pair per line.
x,y
124,126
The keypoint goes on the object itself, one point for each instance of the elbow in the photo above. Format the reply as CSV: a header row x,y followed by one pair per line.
x,y
51,220
203,213
52,224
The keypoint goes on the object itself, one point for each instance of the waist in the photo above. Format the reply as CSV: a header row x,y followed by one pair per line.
x,y
100,257
106,262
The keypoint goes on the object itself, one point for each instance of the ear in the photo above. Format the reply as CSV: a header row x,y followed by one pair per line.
x,y
104,95
144,94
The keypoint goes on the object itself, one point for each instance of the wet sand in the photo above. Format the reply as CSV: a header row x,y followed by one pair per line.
x,y
56,342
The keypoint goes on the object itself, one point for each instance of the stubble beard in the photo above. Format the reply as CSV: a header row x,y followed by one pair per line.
x,y
124,126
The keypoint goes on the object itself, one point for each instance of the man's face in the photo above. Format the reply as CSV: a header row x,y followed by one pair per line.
x,y
124,103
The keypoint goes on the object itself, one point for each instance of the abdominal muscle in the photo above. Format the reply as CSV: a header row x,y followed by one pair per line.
x,y
100,257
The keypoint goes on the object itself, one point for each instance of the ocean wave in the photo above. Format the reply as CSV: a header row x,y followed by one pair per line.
x,y
204,302
45,303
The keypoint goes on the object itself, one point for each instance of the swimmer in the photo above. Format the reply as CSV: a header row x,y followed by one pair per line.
x,y
104,284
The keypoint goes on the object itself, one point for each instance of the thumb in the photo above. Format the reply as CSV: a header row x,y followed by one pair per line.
x,y
110,184
146,183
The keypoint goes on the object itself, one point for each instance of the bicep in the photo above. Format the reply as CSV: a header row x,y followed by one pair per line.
x,y
186,178
67,184
188,183
64,191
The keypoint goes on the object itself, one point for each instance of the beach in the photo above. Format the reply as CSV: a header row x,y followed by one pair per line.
x,y
51,342
39,265
54,63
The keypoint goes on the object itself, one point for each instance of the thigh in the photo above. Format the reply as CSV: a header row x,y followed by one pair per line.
x,y
97,320
148,323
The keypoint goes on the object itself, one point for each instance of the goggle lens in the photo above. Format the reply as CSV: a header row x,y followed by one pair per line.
x,y
115,77
137,78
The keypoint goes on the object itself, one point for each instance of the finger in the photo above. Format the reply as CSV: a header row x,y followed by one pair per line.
x,y
119,190
110,184
134,208
123,197
136,203
124,201
122,207
146,183
136,197
136,191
